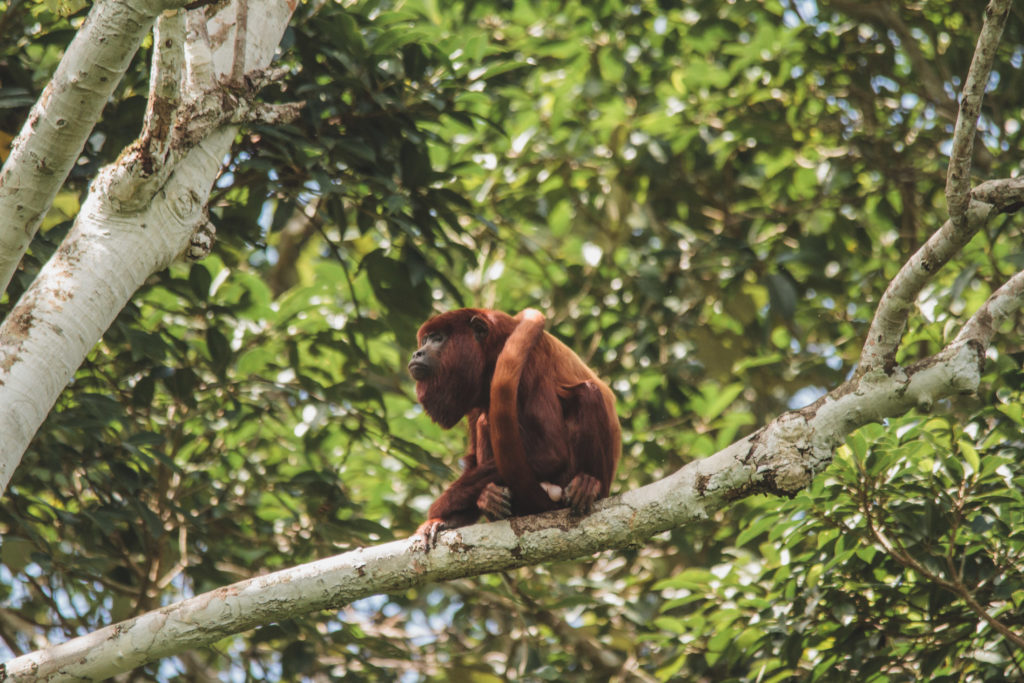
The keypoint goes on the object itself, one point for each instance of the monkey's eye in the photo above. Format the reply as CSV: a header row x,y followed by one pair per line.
x,y
434,338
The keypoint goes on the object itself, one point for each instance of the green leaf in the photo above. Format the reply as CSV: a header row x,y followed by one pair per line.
x,y
970,455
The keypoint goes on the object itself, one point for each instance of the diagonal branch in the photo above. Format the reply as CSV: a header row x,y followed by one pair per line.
x,y
958,176
781,458
966,216
1005,194
898,300
1006,300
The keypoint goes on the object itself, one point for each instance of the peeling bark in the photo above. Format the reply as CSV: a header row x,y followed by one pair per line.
x,y
60,122
142,212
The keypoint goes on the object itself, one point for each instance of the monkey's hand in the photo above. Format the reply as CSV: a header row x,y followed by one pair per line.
x,y
581,493
426,534
495,502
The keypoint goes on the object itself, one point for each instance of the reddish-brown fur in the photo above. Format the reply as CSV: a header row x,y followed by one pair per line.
x,y
535,413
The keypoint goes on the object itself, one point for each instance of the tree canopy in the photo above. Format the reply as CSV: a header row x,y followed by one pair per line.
x,y
706,199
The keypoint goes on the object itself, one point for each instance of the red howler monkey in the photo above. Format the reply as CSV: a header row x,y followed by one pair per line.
x,y
543,432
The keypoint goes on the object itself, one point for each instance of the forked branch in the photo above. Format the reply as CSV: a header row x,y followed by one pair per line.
x,y
186,104
890,319
967,214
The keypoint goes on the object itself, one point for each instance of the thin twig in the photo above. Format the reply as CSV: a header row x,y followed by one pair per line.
x,y
238,65
900,554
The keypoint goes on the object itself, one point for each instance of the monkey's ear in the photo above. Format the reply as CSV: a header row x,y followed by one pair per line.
x,y
480,327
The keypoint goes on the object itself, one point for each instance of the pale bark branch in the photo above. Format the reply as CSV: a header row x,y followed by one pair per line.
x,y
967,216
780,458
1005,194
62,119
146,164
198,55
141,214
899,298
958,175
985,322
175,124
165,81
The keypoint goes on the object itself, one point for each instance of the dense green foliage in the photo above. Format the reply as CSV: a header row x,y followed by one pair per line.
x,y
706,200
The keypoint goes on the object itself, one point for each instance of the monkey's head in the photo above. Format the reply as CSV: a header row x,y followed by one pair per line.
x,y
455,361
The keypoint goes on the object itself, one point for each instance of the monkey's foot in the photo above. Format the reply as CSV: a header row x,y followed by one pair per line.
x,y
495,502
581,493
426,534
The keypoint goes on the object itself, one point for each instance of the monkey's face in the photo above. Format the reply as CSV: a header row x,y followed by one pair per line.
x,y
426,360
449,369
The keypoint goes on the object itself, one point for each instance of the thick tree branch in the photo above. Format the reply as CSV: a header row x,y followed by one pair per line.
x,y
958,175
60,122
136,220
780,458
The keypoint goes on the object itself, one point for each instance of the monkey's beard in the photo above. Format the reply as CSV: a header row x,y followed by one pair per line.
x,y
453,391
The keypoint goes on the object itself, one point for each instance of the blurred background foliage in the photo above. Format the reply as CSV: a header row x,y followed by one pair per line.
x,y
707,200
